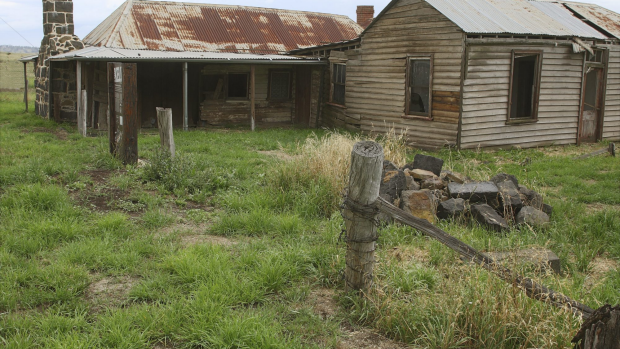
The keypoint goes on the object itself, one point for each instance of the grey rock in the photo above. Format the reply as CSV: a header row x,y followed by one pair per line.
x,y
476,192
501,177
427,163
487,216
509,194
394,182
532,216
432,183
455,177
530,197
451,208
412,184
389,166
548,209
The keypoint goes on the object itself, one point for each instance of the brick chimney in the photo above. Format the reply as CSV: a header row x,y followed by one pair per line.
x,y
59,87
365,14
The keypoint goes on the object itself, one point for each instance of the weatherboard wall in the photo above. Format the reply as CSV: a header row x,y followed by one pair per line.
x,y
611,124
486,93
376,76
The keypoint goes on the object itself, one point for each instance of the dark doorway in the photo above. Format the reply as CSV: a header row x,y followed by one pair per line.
x,y
525,81
303,87
591,105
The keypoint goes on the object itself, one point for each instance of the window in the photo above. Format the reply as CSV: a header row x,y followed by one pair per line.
x,y
339,79
597,57
238,85
524,86
213,87
279,85
419,86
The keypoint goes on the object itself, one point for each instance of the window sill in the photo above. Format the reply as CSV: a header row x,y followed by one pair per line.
x,y
513,122
336,105
417,117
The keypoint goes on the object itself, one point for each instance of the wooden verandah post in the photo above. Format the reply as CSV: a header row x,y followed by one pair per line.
x,y
26,85
359,215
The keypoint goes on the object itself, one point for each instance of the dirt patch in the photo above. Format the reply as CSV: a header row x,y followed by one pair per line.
x,y
99,196
60,133
598,207
407,255
189,240
569,150
364,338
110,291
599,267
278,154
590,181
323,302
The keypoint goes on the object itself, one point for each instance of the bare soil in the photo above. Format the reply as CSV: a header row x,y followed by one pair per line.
x,y
109,291
598,207
100,196
599,267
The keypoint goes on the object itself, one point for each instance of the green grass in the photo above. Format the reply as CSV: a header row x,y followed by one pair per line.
x,y
12,71
225,247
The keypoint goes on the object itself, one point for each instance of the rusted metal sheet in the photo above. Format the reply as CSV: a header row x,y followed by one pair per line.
x,y
514,17
168,26
600,16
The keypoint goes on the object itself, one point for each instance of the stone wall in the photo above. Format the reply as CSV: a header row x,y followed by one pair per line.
x,y
56,86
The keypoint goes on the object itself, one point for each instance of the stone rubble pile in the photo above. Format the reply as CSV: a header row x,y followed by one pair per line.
x,y
426,191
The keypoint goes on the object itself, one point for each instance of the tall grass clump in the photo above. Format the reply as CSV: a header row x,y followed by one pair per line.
x,y
321,170
180,174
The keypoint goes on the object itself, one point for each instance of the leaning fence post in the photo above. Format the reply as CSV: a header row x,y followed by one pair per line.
x,y
360,214
164,123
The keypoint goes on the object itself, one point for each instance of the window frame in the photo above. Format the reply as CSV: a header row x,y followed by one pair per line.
x,y
412,115
247,80
538,79
290,85
331,83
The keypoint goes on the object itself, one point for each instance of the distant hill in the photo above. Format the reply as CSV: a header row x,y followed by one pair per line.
x,y
19,49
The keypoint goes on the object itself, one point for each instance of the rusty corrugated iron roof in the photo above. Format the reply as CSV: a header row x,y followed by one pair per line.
x,y
176,26
597,15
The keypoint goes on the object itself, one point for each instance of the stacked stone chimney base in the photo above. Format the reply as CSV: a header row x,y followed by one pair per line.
x,y
56,86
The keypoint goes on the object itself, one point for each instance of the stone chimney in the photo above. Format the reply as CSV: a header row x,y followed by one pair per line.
x,y
58,30
365,14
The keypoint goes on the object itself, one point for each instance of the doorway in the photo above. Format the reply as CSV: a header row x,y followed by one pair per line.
x,y
303,94
592,104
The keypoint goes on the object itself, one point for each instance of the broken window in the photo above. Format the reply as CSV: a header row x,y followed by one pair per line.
x,y
339,79
279,85
419,86
525,86
238,85
596,57
212,87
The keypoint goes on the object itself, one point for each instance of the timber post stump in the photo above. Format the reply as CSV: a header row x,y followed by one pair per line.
x,y
166,135
360,214
601,330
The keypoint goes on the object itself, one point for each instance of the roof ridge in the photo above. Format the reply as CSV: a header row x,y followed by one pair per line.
x,y
123,17
181,3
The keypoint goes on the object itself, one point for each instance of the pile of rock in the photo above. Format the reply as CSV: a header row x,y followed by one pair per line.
x,y
424,190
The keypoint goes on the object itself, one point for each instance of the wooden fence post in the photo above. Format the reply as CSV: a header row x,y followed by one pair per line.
x,y
601,330
164,123
360,214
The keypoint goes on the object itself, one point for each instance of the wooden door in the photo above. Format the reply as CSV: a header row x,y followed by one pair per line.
x,y
592,105
303,88
123,111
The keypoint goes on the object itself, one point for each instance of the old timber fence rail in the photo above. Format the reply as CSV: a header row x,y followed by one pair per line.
x,y
601,330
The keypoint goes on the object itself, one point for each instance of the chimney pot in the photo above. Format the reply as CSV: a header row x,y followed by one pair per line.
x,y
365,15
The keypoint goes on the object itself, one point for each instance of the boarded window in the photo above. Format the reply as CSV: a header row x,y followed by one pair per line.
x,y
419,89
238,85
212,87
525,86
339,79
280,85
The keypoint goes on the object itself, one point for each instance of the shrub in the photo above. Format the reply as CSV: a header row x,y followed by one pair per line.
x,y
180,173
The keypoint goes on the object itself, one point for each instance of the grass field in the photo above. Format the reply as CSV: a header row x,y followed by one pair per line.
x,y
12,71
234,244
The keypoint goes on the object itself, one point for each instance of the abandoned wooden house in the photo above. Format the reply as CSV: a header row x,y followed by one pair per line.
x,y
212,64
480,73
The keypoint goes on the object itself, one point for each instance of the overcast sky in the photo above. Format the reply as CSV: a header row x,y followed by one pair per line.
x,y
26,15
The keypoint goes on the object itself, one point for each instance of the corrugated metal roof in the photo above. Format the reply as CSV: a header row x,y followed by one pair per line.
x,y
514,17
126,55
600,16
172,26
29,58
